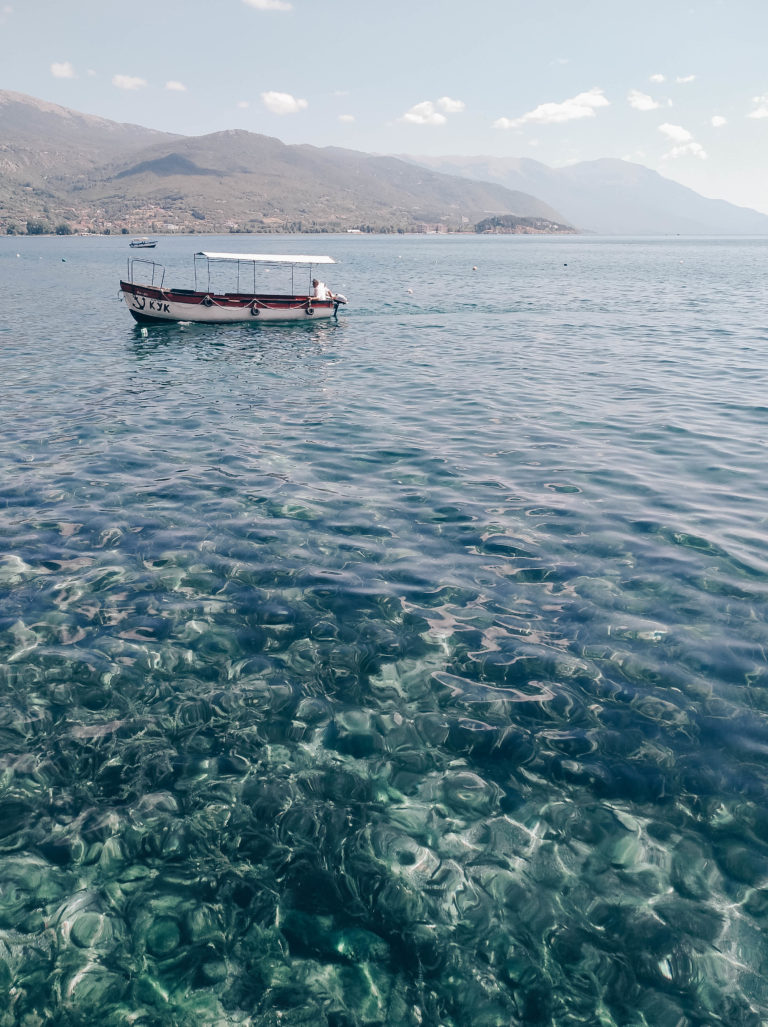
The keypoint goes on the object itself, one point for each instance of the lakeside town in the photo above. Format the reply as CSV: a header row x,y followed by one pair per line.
x,y
152,218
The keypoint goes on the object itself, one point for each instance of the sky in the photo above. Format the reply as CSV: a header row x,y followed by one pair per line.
x,y
680,87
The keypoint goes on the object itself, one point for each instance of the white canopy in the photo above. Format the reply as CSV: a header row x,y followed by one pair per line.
x,y
268,258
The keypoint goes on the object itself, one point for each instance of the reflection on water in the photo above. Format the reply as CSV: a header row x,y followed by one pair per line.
x,y
405,670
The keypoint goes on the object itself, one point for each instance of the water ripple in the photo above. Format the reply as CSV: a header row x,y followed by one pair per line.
x,y
404,670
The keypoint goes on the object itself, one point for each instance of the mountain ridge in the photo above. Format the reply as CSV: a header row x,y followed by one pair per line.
x,y
609,196
88,174
67,171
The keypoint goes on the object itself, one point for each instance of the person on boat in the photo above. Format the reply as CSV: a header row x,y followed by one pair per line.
x,y
320,290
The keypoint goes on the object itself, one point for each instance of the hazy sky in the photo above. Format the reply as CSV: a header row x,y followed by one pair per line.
x,y
680,87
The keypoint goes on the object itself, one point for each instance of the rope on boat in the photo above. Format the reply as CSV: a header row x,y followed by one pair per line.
x,y
256,305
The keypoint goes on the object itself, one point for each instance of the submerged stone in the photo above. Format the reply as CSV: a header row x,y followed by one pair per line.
x,y
163,937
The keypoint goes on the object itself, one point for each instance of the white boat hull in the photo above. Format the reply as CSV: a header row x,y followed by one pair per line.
x,y
149,304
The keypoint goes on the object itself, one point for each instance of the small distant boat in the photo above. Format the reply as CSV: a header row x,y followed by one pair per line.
x,y
143,244
150,301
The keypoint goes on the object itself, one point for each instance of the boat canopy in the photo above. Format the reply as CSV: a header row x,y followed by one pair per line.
x,y
268,258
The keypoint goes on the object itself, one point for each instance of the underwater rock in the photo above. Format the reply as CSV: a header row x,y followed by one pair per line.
x,y
742,863
466,793
163,937
701,923
16,818
93,989
354,733
91,930
14,570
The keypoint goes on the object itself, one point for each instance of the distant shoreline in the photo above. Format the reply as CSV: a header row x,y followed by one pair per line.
x,y
143,232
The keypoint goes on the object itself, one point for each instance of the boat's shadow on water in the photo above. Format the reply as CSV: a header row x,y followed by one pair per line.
x,y
146,340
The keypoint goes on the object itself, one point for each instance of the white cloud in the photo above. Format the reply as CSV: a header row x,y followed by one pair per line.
x,y
692,149
676,133
243,104
432,112
269,5
681,79
346,117
641,101
62,69
581,106
282,103
449,106
761,111
424,113
685,144
128,82
718,121
176,87
91,73
657,78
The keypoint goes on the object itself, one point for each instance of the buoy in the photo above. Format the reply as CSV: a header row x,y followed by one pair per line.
x,y
410,291
63,260
475,267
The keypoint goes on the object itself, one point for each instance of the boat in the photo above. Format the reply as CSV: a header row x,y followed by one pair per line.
x,y
149,300
143,244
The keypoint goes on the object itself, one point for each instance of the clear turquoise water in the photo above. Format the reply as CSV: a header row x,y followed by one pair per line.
x,y
406,670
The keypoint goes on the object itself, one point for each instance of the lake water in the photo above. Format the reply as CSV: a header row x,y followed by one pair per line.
x,y
405,670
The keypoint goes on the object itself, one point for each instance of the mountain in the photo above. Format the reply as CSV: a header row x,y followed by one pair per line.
x,y
59,165
37,138
610,197
76,172
260,181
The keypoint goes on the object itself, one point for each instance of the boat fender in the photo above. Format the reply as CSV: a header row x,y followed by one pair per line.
x,y
254,310
207,301
310,310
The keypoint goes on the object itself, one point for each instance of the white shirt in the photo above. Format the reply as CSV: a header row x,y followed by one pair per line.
x,y
322,292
